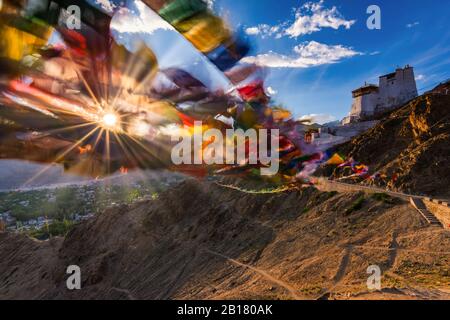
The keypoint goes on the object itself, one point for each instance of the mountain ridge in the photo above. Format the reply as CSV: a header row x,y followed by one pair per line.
x,y
410,147
200,240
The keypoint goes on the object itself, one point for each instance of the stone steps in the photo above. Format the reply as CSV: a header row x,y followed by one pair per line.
x,y
425,213
416,201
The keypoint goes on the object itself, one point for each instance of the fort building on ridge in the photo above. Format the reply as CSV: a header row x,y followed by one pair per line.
x,y
393,90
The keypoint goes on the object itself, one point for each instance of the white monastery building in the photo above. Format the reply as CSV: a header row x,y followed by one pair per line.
x,y
393,90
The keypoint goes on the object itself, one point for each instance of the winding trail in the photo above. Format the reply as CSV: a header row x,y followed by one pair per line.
x,y
394,250
345,261
126,292
292,291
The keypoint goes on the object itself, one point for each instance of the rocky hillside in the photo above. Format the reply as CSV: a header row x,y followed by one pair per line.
x,y
206,241
411,144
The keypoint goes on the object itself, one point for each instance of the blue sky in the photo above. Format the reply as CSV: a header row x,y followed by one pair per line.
x,y
317,52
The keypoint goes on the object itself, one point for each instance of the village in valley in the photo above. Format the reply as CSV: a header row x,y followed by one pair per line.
x,y
37,211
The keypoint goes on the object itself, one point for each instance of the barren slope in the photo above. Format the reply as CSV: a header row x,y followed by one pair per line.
x,y
204,241
412,143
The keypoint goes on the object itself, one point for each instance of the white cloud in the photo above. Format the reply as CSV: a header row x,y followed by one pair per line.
x,y
142,21
412,25
106,5
309,18
320,118
420,77
312,17
264,30
210,3
271,91
252,31
307,55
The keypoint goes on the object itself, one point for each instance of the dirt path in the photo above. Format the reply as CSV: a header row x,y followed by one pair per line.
x,y
126,292
345,261
340,273
394,250
292,291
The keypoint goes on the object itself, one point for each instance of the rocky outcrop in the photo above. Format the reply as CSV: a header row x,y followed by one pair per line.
x,y
412,144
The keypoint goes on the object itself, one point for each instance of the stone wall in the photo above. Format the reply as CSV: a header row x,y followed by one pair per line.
x,y
353,129
441,211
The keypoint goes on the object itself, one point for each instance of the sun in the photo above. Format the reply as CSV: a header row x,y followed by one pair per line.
x,y
110,121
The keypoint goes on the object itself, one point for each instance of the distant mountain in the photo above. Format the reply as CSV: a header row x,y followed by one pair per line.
x,y
332,124
17,173
23,175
